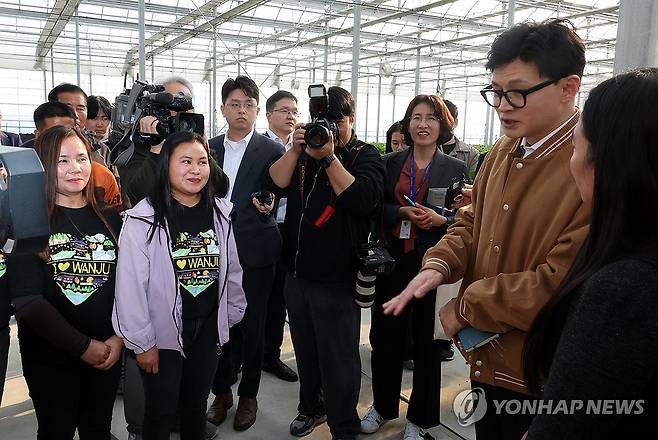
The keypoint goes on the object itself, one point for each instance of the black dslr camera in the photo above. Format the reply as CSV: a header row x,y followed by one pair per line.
x,y
373,259
145,99
317,131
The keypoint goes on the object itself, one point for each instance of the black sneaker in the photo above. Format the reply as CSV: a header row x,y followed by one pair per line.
x,y
447,352
304,425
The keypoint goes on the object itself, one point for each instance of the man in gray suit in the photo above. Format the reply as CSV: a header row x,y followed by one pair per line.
x,y
245,157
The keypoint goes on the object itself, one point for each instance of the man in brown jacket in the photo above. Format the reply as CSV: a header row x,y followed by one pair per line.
x,y
514,244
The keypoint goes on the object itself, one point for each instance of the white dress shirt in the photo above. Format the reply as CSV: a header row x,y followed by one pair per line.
x,y
281,211
233,153
529,149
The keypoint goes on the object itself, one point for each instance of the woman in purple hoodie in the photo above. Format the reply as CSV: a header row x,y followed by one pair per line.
x,y
179,286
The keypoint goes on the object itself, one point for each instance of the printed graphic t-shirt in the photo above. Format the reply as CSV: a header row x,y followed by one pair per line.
x,y
78,278
195,252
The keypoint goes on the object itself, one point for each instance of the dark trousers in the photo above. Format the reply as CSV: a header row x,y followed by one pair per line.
x,y
68,394
183,383
247,337
276,318
133,395
388,338
501,426
324,325
4,356
5,316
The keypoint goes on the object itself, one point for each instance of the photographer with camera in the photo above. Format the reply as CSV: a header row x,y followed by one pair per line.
x,y
138,174
414,220
334,183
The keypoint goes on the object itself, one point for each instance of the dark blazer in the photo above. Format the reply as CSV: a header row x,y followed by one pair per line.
x,y
10,139
444,168
256,235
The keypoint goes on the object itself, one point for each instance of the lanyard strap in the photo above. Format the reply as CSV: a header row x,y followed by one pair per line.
x,y
413,192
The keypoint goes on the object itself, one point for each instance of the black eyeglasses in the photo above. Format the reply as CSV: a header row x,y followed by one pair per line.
x,y
515,97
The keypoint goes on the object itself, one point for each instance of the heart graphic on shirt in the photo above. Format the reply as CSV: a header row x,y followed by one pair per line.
x,y
63,266
181,264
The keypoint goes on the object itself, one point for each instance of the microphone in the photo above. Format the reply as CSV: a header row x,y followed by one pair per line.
x,y
161,97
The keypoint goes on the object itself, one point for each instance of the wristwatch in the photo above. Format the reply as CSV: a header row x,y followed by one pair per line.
x,y
325,162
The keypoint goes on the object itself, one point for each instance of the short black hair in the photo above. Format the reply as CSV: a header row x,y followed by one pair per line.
x,y
241,82
96,103
276,97
552,45
341,103
53,95
452,108
52,109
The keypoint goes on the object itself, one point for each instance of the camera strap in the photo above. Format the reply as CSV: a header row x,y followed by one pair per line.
x,y
328,210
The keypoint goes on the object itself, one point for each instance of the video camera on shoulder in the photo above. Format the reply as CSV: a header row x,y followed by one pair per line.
x,y
317,131
145,99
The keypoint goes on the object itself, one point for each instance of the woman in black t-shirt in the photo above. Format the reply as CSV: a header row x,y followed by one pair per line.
x,y
63,299
179,286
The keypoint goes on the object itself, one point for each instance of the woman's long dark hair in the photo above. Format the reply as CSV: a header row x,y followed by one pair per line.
x,y
165,211
48,147
620,122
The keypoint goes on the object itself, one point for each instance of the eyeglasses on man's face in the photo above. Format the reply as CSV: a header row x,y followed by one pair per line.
x,y
236,105
517,98
286,112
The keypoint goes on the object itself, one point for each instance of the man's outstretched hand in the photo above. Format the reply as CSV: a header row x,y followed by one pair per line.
x,y
418,287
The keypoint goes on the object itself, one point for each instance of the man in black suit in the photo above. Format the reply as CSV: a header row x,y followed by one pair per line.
x,y
9,139
246,157
282,115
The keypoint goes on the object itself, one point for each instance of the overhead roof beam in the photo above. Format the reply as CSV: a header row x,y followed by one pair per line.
x,y
221,18
59,15
175,27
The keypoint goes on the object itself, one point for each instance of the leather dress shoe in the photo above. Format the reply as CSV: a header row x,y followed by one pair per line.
x,y
280,370
245,415
219,408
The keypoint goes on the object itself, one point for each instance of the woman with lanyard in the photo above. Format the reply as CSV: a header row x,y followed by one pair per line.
x,y
411,226
179,286
63,299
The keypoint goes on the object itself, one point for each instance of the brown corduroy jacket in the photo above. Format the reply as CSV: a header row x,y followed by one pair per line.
x,y
512,246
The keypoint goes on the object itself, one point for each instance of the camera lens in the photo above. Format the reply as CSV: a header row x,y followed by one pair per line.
x,y
365,289
316,136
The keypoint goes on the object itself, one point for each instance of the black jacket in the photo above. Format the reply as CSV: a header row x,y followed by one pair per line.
x,y
326,253
444,169
10,139
138,175
256,235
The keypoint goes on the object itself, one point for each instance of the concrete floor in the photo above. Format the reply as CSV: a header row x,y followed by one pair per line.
x,y
277,402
